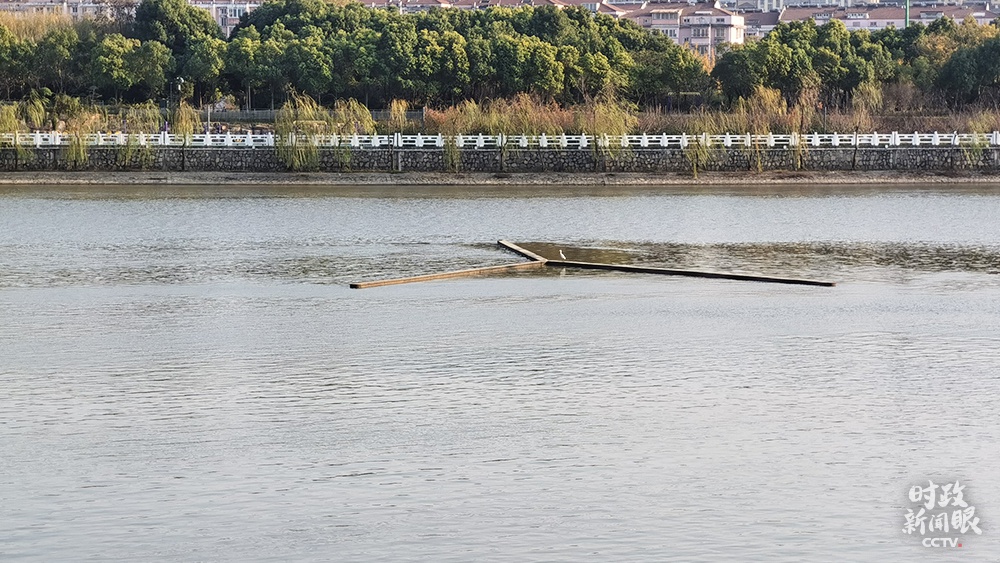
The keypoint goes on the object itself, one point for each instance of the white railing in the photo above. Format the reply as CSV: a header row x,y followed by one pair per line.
x,y
566,142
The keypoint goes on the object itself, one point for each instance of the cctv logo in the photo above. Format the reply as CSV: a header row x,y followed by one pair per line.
x,y
940,542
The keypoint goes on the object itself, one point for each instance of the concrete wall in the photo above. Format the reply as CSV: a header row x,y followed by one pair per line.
x,y
514,159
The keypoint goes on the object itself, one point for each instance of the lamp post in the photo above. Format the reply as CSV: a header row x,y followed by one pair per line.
x,y
180,85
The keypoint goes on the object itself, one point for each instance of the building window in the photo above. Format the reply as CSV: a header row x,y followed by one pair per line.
x,y
720,32
699,32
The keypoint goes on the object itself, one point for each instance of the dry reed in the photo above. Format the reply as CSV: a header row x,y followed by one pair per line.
x,y
33,27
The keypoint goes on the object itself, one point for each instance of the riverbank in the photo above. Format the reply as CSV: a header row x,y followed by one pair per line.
x,y
492,179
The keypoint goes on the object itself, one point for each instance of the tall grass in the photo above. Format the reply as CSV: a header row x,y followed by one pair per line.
x,y
32,27
528,115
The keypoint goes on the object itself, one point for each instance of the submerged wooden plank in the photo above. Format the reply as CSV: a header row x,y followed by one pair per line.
x,y
522,251
689,273
453,274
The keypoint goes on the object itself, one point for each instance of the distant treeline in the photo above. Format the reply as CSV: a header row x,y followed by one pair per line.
x,y
171,51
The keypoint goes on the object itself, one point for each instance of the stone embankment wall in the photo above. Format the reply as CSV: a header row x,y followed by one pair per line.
x,y
514,159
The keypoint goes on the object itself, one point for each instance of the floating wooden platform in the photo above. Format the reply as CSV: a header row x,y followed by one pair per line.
x,y
454,274
537,261
688,273
522,251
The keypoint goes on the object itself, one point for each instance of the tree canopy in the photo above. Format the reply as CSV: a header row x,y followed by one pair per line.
x,y
565,56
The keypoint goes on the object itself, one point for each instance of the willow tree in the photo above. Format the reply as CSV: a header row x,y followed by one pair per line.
x,y
11,124
138,119
80,124
297,126
185,121
351,117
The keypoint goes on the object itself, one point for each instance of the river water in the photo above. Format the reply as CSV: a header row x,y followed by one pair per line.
x,y
185,375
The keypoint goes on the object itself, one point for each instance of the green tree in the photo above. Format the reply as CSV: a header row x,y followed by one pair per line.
x,y
113,71
242,63
203,67
174,23
53,59
737,72
15,57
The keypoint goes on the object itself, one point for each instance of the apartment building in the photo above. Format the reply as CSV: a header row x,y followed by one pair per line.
x,y
880,17
701,27
225,12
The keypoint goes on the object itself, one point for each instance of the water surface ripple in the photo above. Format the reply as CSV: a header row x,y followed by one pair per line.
x,y
184,374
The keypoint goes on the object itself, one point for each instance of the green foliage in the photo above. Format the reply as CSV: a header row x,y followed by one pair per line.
x,y
443,57
173,23
123,66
